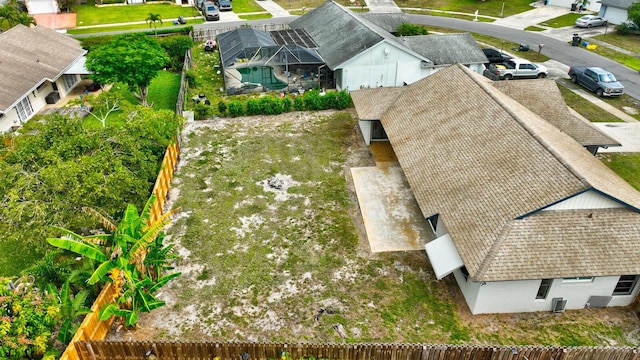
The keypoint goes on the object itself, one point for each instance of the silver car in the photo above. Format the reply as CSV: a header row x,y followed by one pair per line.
x,y
588,21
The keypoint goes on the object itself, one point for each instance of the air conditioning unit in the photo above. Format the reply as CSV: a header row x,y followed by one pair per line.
x,y
558,305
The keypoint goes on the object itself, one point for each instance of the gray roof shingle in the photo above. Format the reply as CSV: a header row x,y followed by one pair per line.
x,y
622,4
334,47
483,161
446,49
29,56
544,98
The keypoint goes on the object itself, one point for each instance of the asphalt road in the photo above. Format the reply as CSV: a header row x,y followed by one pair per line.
x,y
561,52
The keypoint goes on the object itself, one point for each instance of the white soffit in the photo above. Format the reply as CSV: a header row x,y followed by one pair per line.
x,y
443,256
79,68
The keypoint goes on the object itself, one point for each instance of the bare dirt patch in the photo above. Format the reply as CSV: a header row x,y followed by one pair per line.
x,y
270,232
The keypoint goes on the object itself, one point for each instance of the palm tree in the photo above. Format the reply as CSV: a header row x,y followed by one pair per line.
x,y
152,19
123,258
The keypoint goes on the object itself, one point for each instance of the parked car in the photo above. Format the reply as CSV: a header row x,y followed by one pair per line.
x,y
199,4
495,56
596,79
224,5
590,21
516,69
210,11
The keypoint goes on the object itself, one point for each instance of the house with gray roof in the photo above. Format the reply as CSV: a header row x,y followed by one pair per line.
x,y
525,218
615,11
38,66
362,54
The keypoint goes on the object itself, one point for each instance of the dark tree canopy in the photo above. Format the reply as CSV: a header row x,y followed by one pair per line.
x,y
633,13
131,59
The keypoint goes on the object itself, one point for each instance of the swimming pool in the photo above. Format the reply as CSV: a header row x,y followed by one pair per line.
x,y
262,75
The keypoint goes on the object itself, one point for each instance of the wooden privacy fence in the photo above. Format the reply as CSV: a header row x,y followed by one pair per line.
x,y
161,187
124,350
92,328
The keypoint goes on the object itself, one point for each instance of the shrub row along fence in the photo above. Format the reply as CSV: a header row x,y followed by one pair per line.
x,y
92,328
134,350
202,34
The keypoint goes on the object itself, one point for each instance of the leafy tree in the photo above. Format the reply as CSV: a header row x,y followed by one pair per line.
x,y
131,59
176,47
26,320
408,29
123,259
152,19
104,168
633,13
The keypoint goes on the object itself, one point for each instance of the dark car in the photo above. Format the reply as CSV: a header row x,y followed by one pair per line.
x,y
210,11
225,5
495,56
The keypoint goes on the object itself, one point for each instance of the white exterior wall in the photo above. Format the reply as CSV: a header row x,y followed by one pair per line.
x,y
586,200
614,15
381,65
365,128
37,100
594,5
520,296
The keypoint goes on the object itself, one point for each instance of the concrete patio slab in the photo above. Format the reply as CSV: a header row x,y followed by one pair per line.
x,y
628,134
391,215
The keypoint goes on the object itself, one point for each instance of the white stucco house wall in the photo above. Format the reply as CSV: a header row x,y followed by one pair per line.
x,y
615,11
362,54
525,217
593,5
37,66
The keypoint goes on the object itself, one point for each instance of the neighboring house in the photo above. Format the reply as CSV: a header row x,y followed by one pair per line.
x,y
615,11
362,54
277,60
38,66
524,217
591,5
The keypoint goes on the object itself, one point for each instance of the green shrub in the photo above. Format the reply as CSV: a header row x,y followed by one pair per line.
x,y
625,28
286,104
343,100
253,107
176,47
201,111
222,108
329,100
298,104
270,106
235,108
312,100
27,318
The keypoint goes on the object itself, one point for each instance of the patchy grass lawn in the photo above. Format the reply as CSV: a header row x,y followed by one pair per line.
x,y
269,232
629,42
582,106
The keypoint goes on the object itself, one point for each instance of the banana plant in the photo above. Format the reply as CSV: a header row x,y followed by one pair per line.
x,y
71,308
123,259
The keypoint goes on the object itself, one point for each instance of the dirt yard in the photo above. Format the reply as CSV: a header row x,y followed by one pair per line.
x,y
272,247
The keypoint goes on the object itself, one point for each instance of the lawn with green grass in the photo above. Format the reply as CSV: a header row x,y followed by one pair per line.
x,y
246,6
264,15
627,165
110,28
164,89
562,21
629,42
88,14
582,106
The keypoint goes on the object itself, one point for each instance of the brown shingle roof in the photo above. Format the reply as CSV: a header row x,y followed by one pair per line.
x,y
544,98
482,160
569,243
28,56
370,104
